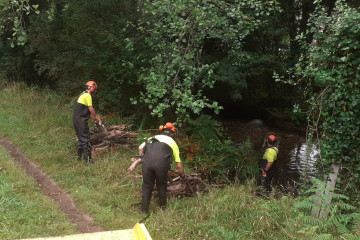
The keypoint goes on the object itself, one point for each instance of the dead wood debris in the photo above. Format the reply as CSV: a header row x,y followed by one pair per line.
x,y
116,136
189,187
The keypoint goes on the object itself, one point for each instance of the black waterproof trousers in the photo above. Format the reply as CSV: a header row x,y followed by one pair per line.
x,y
155,166
83,135
265,182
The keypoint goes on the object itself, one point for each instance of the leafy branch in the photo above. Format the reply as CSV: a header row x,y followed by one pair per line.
x,y
12,19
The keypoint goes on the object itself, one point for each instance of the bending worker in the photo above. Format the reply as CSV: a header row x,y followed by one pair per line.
x,y
268,162
83,110
157,155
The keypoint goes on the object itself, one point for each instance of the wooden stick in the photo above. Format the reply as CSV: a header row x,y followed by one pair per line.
x,y
133,165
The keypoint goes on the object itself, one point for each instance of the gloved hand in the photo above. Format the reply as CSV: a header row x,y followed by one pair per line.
x,y
264,173
98,120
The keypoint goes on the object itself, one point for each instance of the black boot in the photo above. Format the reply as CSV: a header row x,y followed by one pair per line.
x,y
87,157
145,202
162,201
80,154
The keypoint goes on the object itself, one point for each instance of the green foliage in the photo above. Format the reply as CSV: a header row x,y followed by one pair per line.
x,y
11,61
205,127
74,42
176,32
12,19
13,22
268,49
328,72
337,217
208,151
297,116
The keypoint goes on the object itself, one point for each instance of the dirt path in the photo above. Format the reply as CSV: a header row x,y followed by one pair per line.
x,y
51,189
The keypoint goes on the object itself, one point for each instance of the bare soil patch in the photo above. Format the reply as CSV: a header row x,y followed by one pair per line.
x,y
83,222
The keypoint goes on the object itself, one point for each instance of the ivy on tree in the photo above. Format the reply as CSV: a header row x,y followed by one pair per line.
x,y
328,72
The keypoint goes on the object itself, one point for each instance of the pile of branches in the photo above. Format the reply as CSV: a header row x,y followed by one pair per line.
x,y
113,136
188,187
177,187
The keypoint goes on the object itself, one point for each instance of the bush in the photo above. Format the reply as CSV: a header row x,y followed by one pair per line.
x,y
210,152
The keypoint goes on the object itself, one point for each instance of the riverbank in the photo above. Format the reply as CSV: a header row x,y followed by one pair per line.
x,y
42,130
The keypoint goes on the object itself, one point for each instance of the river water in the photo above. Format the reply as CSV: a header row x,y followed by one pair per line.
x,y
296,159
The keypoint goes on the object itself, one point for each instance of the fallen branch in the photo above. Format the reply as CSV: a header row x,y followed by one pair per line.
x,y
114,137
133,165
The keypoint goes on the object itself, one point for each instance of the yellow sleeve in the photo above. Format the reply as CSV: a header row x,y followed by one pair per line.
x,y
85,99
270,155
176,152
273,155
169,141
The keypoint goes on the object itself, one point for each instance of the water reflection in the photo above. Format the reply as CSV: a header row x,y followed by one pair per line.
x,y
296,160
302,160
298,166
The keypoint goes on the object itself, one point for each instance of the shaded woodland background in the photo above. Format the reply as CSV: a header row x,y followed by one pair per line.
x,y
70,42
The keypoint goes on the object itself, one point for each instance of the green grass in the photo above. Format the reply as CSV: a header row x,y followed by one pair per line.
x,y
24,210
38,122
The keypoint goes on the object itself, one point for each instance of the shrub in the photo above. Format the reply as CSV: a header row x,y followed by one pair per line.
x,y
210,152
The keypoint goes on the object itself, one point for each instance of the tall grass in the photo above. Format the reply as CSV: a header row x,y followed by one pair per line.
x,y
225,213
39,124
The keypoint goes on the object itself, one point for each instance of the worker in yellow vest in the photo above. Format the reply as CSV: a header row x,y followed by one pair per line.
x,y
83,110
267,163
158,153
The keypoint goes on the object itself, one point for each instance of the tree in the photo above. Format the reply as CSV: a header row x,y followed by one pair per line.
x,y
12,19
177,33
75,41
328,71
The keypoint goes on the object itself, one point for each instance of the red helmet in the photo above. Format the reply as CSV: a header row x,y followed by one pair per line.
x,y
168,126
272,139
91,86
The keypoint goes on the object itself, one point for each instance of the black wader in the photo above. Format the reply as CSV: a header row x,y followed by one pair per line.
x,y
156,163
265,182
83,135
80,117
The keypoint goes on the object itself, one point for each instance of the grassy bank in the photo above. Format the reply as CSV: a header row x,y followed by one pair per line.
x,y
38,122
24,210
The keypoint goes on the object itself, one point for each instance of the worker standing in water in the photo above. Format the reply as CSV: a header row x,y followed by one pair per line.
x,y
267,164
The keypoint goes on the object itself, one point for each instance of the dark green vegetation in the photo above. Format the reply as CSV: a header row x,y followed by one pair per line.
x,y
158,61
328,74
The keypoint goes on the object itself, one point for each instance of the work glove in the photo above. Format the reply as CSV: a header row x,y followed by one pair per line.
x,y
263,173
100,121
